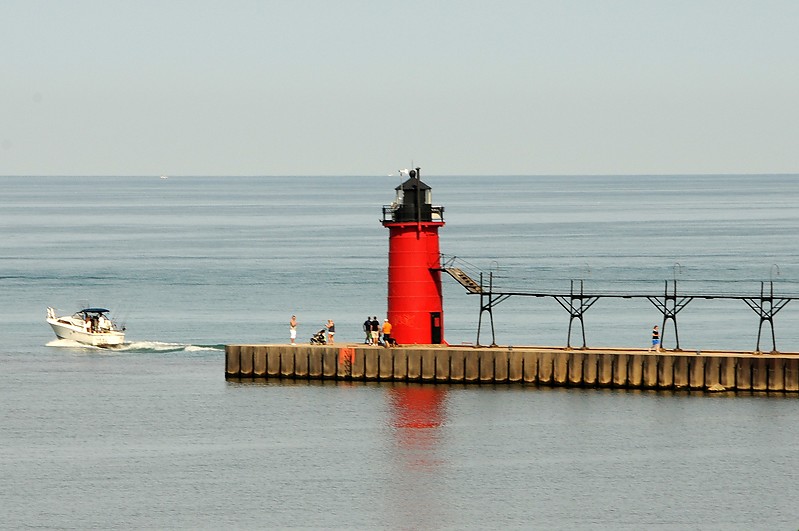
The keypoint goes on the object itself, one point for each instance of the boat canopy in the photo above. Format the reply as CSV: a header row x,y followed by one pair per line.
x,y
94,310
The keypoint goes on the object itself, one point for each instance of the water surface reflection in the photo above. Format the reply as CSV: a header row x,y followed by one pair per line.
x,y
417,415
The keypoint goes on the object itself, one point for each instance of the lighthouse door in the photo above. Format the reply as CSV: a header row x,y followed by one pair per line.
x,y
435,328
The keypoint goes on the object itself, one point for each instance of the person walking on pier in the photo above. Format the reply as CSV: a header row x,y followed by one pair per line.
x,y
655,339
387,339
331,330
367,329
293,329
374,327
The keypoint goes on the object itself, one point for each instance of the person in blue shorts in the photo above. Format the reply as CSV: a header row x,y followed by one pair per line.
x,y
655,339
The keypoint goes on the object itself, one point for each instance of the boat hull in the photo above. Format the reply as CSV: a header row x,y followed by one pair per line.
x,y
97,339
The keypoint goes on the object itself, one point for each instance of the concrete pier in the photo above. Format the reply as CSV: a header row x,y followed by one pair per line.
x,y
550,366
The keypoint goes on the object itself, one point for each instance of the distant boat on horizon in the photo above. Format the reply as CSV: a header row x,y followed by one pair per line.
x,y
164,177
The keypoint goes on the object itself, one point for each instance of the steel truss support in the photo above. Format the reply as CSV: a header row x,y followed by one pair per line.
x,y
766,307
576,304
670,305
487,302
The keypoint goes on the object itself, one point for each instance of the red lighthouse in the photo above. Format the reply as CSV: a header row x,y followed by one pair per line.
x,y
415,305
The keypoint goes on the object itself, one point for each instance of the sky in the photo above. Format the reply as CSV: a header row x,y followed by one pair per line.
x,y
365,87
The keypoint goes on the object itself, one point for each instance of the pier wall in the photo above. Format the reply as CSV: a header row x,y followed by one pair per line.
x,y
613,368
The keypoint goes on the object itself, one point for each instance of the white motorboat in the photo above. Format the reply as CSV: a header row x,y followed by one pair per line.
x,y
90,326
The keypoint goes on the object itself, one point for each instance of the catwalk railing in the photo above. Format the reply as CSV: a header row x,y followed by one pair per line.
x,y
577,300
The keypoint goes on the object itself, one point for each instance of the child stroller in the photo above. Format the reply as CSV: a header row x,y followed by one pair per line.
x,y
319,338
389,341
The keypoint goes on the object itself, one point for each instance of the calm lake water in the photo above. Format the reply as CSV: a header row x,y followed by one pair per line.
x,y
152,436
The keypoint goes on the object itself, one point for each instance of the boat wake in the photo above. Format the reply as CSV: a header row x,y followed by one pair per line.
x,y
139,347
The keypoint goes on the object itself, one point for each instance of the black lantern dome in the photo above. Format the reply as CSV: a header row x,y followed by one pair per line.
x,y
413,202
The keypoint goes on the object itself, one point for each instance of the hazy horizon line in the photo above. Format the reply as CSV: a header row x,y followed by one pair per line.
x,y
470,175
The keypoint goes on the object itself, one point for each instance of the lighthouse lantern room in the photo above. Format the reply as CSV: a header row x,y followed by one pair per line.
x,y
415,303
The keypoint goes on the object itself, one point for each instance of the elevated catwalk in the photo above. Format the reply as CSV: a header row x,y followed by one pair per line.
x,y
577,300
545,366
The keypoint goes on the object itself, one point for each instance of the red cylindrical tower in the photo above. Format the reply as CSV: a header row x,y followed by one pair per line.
x,y
415,304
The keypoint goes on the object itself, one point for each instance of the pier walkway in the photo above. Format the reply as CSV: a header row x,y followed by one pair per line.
x,y
545,366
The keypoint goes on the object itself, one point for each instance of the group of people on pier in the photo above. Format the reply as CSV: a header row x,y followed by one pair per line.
x,y
372,330
375,333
